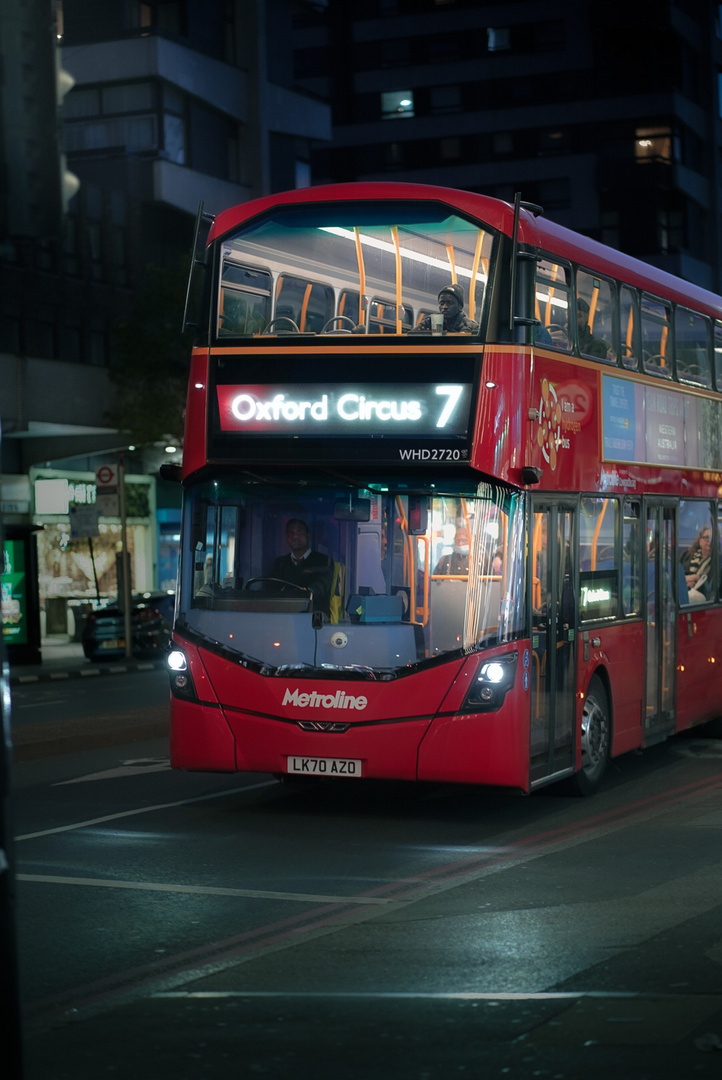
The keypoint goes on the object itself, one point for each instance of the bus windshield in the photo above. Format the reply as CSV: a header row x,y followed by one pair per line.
x,y
353,268
369,580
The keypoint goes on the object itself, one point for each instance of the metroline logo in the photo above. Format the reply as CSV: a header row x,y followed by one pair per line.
x,y
314,700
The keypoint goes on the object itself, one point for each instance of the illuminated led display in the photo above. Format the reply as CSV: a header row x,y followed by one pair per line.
x,y
317,409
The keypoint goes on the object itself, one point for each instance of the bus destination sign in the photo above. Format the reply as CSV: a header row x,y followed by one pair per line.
x,y
409,410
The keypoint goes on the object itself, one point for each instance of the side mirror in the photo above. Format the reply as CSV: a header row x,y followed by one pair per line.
x,y
169,470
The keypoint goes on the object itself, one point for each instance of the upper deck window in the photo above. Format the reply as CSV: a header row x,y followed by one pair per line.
x,y
656,338
718,354
691,346
353,268
553,304
595,316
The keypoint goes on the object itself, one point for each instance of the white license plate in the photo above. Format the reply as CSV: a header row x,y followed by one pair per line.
x,y
324,766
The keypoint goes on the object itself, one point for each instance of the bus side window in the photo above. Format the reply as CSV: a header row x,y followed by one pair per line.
x,y
244,305
631,594
719,543
598,568
656,338
595,306
307,304
553,302
691,347
695,536
718,355
629,328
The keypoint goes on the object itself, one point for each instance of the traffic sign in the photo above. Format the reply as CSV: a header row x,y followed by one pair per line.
x,y
106,476
83,521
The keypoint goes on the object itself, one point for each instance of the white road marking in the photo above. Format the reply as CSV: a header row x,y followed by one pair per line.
x,y
200,890
142,810
126,768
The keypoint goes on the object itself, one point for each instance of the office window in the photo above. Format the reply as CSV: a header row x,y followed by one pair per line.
x,y
397,104
445,99
498,39
450,148
503,142
653,144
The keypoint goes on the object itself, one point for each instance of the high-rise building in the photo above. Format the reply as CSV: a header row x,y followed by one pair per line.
x,y
165,104
607,115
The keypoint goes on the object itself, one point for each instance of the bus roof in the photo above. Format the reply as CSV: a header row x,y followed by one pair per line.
x,y
536,231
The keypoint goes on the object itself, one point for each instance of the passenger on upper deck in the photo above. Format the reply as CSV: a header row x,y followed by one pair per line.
x,y
305,567
451,306
588,344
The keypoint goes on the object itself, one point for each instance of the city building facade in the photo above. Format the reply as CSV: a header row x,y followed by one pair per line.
x,y
155,107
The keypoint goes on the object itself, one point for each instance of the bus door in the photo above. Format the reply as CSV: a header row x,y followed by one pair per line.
x,y
663,581
553,648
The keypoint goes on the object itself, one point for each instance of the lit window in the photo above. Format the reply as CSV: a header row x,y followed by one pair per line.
x,y
653,144
397,104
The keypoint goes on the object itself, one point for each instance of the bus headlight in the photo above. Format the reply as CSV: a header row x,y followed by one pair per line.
x,y
493,679
181,681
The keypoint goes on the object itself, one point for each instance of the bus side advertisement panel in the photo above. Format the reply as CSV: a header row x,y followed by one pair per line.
x,y
542,414
564,424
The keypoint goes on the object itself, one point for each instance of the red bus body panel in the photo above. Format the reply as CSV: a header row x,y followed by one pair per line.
x,y
699,666
412,728
536,408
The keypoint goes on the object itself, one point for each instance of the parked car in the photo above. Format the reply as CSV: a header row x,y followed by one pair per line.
x,y
151,618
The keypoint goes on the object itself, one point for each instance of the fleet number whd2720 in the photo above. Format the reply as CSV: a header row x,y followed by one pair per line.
x,y
313,766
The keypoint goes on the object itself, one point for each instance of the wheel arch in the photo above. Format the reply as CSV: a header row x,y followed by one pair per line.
x,y
602,674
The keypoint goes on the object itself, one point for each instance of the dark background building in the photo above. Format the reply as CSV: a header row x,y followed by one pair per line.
x,y
607,115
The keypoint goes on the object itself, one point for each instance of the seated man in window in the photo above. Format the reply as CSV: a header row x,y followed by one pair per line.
x,y
451,306
588,344
305,567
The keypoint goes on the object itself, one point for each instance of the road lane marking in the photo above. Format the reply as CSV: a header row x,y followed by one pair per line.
x,y
200,890
410,995
142,810
126,768
176,971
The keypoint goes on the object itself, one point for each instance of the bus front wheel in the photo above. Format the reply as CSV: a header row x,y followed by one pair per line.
x,y
596,739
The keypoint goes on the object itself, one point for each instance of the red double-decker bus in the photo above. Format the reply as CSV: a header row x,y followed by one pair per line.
x,y
480,548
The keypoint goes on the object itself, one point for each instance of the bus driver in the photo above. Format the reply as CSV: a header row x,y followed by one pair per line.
x,y
305,567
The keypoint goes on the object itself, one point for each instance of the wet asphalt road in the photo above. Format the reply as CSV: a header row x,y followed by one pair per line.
x,y
212,926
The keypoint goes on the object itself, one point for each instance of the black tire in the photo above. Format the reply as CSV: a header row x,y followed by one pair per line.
x,y
596,736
